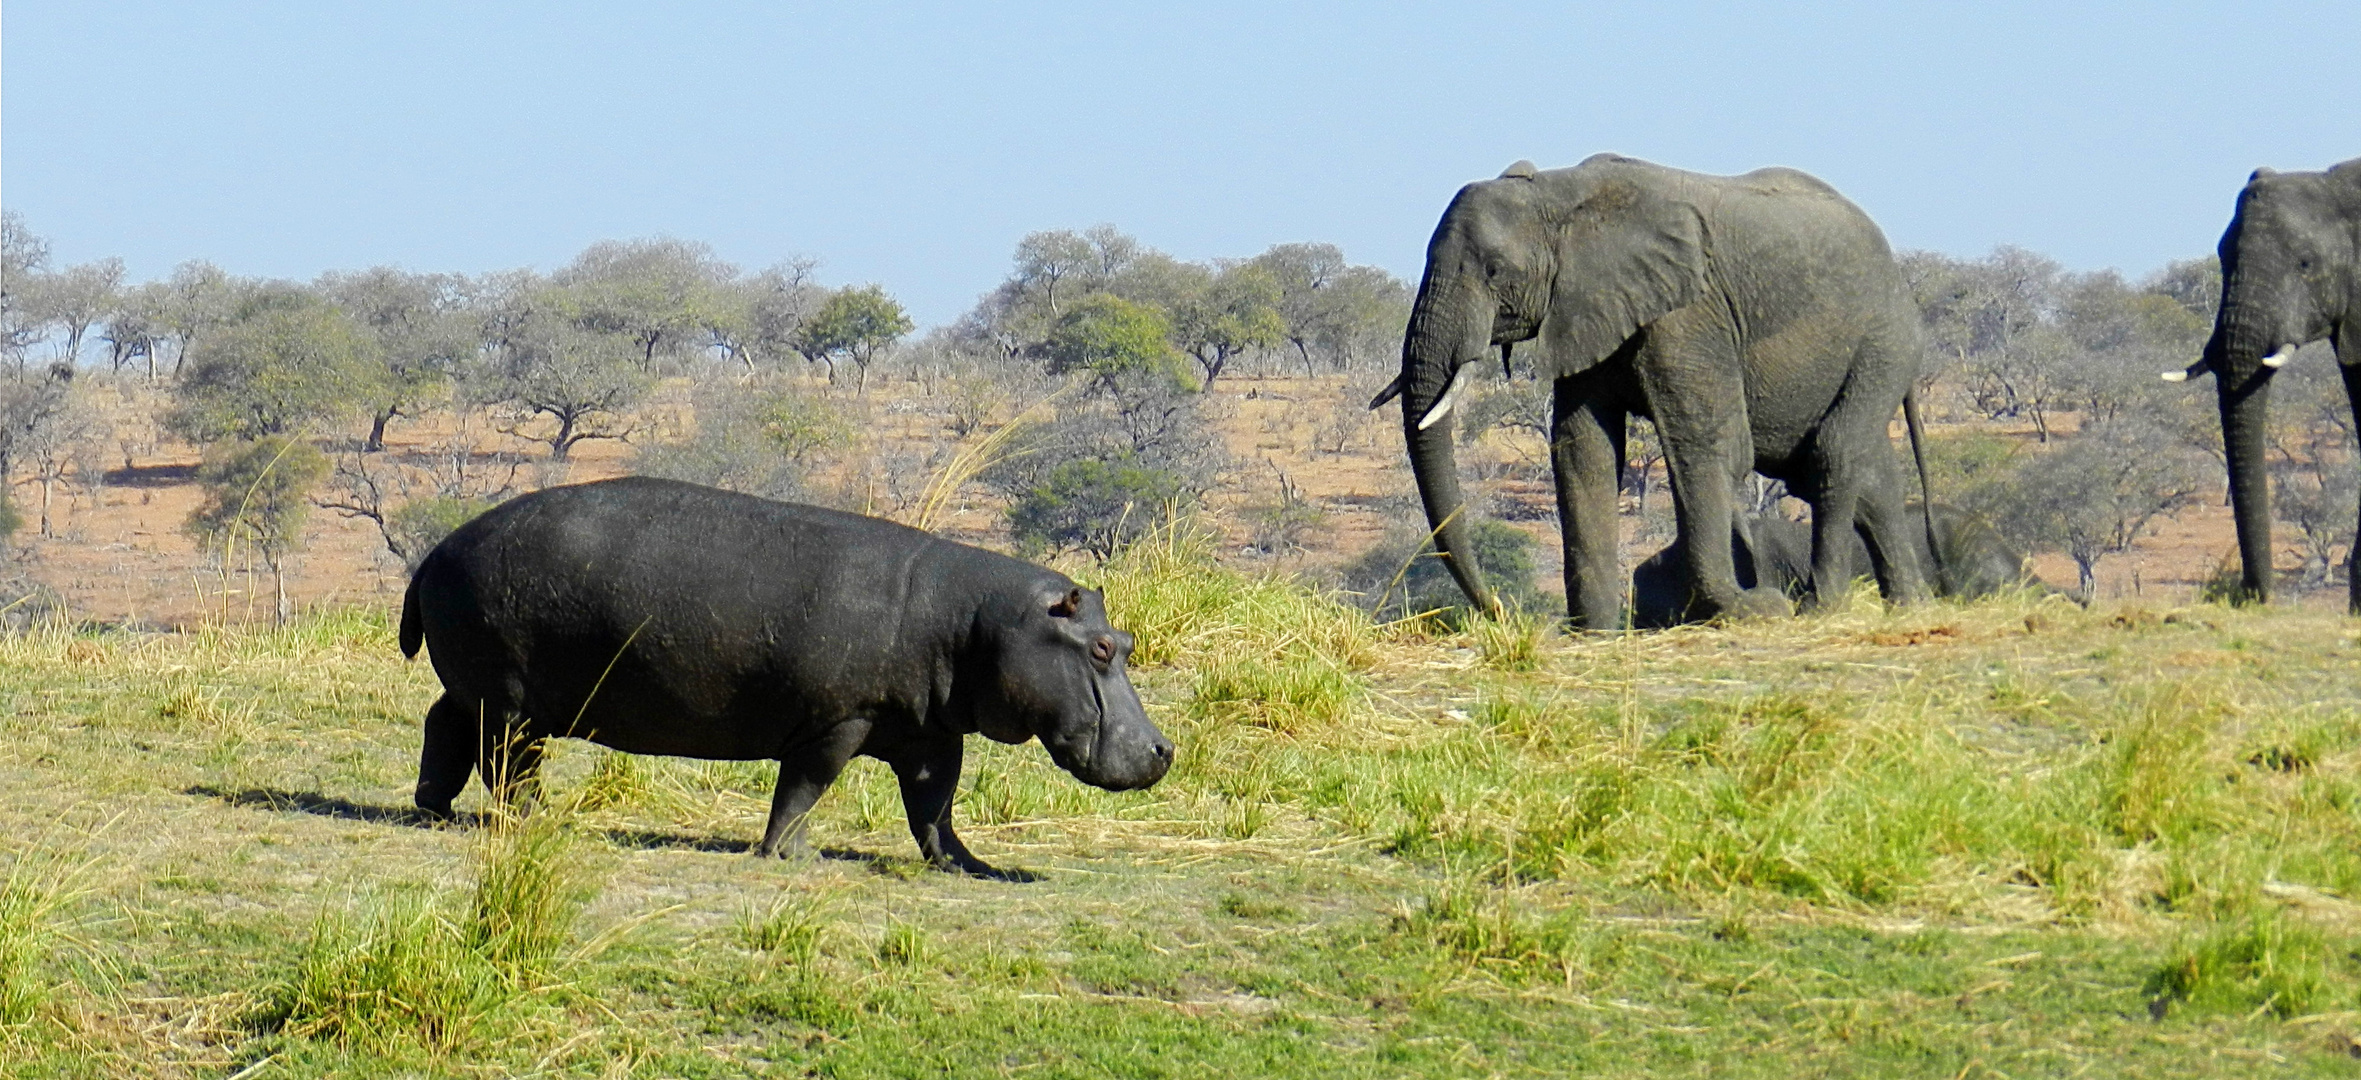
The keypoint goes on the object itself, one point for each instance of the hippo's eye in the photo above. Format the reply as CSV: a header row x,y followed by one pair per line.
x,y
1102,650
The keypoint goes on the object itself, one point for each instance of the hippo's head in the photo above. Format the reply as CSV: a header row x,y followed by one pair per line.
x,y
1060,677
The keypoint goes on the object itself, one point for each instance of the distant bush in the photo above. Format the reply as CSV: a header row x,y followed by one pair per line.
x,y
1110,464
420,524
747,441
257,495
1402,575
1095,505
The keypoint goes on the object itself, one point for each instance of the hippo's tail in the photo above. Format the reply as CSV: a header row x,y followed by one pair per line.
x,y
413,630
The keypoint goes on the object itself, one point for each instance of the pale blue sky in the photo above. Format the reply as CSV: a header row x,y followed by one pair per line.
x,y
913,146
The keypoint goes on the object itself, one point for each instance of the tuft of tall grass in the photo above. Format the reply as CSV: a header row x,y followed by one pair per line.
x,y
443,968
790,927
2266,962
616,780
1510,640
398,970
1493,927
1185,609
530,887
1289,694
44,882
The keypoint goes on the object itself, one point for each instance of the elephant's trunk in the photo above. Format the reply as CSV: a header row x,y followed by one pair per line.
x,y
2243,387
1437,344
1437,470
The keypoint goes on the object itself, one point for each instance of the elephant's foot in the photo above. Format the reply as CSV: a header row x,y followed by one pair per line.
x,y
1760,602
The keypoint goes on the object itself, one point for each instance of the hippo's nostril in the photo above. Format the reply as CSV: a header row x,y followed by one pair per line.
x,y
1164,751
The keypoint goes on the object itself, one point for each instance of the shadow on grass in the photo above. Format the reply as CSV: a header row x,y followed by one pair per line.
x,y
342,809
330,806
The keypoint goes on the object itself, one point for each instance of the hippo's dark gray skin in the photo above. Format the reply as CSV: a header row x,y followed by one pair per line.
x,y
657,617
1976,562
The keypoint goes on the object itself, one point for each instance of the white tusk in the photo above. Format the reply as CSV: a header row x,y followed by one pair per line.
x,y
1451,393
2188,373
2175,376
2279,359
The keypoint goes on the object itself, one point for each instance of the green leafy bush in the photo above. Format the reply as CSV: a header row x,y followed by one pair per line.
x,y
1095,505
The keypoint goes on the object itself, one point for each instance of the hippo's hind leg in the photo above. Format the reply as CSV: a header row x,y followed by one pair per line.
x,y
804,773
507,750
448,757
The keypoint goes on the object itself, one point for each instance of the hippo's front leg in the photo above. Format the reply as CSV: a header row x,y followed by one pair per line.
x,y
929,773
804,774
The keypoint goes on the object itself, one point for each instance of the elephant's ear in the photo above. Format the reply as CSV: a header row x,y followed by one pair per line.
x,y
1627,256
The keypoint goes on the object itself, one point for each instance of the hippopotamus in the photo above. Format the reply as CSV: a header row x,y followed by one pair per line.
x,y
659,617
1976,562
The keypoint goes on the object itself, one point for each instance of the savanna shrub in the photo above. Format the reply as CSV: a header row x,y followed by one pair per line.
x,y
1401,575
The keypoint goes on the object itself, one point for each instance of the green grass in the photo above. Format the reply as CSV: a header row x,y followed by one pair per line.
x,y
2010,839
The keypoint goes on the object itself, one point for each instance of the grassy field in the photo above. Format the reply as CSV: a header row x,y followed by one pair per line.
x,y
2014,839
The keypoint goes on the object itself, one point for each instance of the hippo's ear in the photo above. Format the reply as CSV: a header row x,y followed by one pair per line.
x,y
1067,606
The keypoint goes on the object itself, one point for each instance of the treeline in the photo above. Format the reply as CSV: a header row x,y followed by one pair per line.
x,y
1086,366
291,387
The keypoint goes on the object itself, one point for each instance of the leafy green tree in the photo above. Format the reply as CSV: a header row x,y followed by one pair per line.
x,y
416,526
257,495
1109,336
1235,312
23,257
544,364
78,297
416,332
135,326
665,296
1352,316
854,323
745,441
2095,494
198,299
764,313
286,358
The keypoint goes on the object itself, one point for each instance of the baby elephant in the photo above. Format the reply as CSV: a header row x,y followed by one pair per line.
x,y
1976,562
658,617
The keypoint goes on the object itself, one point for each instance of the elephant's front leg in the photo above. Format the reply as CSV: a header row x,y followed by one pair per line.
x,y
1586,455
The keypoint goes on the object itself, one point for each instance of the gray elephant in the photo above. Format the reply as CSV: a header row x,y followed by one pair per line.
x,y
2291,275
1759,320
1975,562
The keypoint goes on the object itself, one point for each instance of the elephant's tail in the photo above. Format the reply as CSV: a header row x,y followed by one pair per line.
x,y
413,630
1926,488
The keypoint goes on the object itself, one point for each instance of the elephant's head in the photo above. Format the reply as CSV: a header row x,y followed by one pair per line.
x,y
1580,259
2291,274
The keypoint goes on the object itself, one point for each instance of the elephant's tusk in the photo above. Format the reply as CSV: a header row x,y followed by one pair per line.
x,y
2279,359
1392,390
1451,393
2192,371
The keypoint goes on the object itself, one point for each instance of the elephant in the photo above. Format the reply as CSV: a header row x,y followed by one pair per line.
x,y
1975,562
2291,275
1759,320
